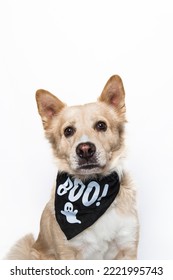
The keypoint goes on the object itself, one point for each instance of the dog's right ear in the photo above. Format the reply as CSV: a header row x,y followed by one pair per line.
x,y
48,106
113,94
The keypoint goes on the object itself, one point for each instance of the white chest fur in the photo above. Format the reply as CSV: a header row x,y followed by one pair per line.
x,y
106,237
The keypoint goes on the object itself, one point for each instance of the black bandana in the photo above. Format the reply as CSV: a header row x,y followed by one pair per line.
x,y
79,204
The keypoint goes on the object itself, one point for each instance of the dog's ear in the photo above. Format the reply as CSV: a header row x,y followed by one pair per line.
x,y
48,106
113,93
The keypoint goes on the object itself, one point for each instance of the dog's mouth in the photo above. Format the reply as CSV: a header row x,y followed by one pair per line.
x,y
88,166
88,159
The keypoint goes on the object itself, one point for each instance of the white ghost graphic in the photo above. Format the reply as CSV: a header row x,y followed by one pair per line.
x,y
70,213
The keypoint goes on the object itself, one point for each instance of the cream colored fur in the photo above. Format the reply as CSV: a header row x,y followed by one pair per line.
x,y
115,234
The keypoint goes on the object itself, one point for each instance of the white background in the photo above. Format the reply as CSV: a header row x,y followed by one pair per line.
x,y
71,48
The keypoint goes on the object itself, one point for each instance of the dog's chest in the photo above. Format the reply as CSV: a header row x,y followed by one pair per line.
x,y
100,240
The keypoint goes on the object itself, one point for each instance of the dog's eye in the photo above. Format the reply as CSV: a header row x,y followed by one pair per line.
x,y
69,131
100,126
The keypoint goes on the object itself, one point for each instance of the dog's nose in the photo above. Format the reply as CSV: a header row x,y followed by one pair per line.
x,y
85,150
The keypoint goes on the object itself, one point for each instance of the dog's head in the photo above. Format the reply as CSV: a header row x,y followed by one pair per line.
x,y
86,139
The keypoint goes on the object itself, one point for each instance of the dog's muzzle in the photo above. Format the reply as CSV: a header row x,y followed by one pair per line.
x,y
86,150
86,153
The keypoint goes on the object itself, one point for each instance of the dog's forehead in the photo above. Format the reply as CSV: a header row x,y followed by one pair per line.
x,y
89,110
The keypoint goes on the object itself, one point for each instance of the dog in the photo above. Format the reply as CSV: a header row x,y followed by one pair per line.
x,y
92,211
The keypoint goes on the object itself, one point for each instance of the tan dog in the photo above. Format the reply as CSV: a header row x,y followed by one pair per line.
x,y
88,144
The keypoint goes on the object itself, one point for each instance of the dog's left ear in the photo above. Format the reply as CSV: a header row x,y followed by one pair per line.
x,y
49,106
113,93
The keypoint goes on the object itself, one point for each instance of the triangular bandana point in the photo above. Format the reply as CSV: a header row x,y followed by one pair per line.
x,y
79,204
